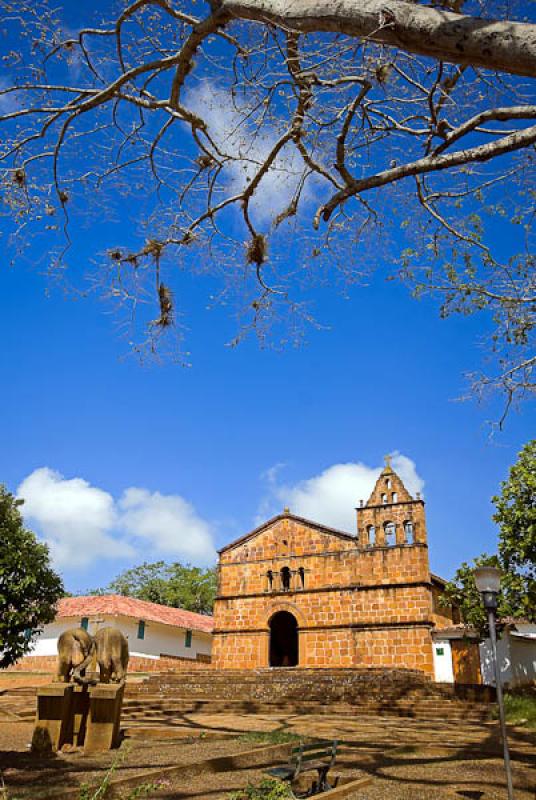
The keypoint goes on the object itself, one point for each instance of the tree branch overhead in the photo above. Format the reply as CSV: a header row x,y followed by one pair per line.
x,y
459,39
273,143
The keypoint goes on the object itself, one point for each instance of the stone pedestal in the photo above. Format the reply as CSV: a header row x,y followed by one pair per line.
x,y
79,715
103,728
53,723
87,716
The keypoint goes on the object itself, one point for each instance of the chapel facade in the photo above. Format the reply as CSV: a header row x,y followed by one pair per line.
x,y
293,592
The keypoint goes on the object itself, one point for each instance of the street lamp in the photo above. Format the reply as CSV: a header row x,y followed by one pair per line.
x,y
488,583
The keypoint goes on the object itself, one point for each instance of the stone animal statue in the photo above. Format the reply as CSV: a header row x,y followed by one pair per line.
x,y
75,651
112,655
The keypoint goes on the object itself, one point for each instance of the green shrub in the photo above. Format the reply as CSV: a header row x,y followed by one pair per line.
x,y
100,791
267,789
520,708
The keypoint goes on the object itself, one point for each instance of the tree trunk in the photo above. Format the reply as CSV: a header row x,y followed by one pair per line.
x,y
503,46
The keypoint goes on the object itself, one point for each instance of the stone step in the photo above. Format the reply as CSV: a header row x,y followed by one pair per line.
x,y
333,693
299,683
347,711
168,709
162,701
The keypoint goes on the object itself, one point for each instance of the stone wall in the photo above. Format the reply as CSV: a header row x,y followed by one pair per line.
x,y
47,664
443,616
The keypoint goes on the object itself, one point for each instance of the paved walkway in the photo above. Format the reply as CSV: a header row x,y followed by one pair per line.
x,y
409,759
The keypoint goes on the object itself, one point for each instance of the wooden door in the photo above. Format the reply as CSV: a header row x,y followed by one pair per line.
x,y
466,661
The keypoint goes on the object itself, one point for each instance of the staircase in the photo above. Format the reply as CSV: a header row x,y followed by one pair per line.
x,y
346,692
164,699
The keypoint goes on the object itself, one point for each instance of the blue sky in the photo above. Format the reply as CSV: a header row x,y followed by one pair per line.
x,y
383,378
122,462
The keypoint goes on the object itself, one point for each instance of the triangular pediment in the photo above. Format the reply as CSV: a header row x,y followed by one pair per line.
x,y
389,489
293,524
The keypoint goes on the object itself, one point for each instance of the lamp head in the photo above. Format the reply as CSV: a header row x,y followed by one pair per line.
x,y
488,579
488,583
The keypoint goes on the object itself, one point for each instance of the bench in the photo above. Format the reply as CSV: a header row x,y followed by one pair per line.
x,y
319,757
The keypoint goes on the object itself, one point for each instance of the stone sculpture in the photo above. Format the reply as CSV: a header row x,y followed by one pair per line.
x,y
75,651
112,655
86,715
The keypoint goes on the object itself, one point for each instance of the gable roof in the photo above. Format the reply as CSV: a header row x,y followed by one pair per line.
x,y
119,606
438,580
287,515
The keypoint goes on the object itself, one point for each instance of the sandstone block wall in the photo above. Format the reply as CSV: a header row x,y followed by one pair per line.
x,y
357,601
48,664
354,606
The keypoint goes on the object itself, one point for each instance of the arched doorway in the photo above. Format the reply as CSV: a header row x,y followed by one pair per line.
x,y
283,640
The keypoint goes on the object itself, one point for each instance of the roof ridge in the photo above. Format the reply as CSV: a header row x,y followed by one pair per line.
x,y
123,605
286,515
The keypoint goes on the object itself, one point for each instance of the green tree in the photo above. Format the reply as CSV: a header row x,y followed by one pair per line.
x,y
516,517
462,592
176,584
29,588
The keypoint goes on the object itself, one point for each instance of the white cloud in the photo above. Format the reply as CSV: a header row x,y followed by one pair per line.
x,y
248,145
74,518
169,523
83,524
407,470
332,496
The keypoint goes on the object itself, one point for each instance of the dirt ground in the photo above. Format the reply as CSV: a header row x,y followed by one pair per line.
x,y
408,759
28,776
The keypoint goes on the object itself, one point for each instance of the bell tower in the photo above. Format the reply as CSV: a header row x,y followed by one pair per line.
x,y
391,517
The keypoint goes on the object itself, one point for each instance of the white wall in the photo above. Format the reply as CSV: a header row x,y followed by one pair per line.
x,y
443,670
46,643
503,657
523,654
516,657
159,639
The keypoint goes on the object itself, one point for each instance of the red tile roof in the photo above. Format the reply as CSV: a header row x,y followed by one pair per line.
x,y
118,605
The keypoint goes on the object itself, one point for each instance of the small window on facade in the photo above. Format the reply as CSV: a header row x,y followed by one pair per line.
x,y
384,498
388,482
390,532
285,579
84,623
371,535
141,629
301,573
408,531
395,497
270,576
188,639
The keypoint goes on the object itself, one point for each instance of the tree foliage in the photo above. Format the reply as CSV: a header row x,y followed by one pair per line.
x,y
285,143
176,584
29,588
516,517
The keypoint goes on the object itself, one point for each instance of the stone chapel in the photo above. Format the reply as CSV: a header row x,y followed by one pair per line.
x,y
297,593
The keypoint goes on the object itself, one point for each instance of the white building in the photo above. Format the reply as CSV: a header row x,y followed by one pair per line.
x,y
153,631
516,653
460,656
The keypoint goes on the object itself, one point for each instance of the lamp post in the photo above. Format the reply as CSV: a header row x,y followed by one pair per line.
x,y
488,583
